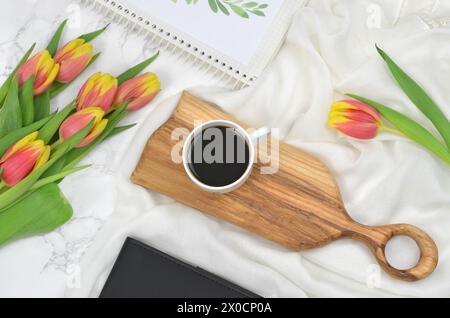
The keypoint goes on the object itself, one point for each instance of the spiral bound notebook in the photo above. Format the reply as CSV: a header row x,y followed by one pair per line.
x,y
236,39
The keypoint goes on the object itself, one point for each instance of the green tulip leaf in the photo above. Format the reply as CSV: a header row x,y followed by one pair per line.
x,y
56,168
52,47
57,177
5,87
135,70
91,36
26,98
51,127
42,106
419,97
14,136
40,212
119,130
10,113
53,218
409,128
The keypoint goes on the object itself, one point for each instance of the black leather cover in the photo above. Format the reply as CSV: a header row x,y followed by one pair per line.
x,y
144,272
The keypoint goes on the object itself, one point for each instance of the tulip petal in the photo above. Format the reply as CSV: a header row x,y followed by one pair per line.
x,y
131,88
84,95
105,101
21,163
16,170
357,130
49,81
73,58
80,120
140,102
97,130
70,69
98,91
43,158
68,50
72,125
139,91
88,85
336,118
106,82
355,119
29,68
19,145
355,115
95,112
356,105
44,66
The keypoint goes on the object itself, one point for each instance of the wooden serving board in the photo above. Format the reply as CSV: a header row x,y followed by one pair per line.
x,y
299,207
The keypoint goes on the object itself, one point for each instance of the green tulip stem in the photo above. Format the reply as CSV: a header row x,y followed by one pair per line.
x,y
56,144
390,130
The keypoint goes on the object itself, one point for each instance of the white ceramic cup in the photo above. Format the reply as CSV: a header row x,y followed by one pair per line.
x,y
250,140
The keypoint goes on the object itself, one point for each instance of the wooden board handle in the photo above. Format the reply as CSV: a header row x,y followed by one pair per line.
x,y
377,238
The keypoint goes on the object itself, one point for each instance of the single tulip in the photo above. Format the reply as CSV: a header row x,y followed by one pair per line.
x,y
98,91
43,67
355,119
139,91
80,120
73,59
25,156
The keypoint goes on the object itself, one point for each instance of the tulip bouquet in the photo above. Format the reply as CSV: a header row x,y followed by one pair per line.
x,y
39,149
362,118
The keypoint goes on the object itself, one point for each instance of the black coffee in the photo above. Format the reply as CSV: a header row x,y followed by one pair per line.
x,y
219,156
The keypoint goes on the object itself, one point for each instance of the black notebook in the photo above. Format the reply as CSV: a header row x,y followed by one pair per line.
x,y
142,271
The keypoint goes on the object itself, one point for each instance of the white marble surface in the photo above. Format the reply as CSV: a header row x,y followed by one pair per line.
x,y
42,265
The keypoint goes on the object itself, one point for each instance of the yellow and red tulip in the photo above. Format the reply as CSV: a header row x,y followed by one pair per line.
x,y
25,156
98,91
73,59
80,120
138,91
43,67
355,119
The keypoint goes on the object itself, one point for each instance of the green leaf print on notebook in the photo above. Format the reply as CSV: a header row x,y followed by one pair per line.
x,y
242,8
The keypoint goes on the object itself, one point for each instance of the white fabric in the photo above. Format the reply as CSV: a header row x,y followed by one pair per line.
x,y
329,49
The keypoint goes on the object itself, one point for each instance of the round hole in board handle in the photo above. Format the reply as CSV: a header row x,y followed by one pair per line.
x,y
402,252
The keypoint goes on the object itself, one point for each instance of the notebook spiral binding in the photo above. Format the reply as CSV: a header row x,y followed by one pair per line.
x,y
168,42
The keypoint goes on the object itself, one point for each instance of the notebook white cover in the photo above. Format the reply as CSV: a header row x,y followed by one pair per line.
x,y
236,38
